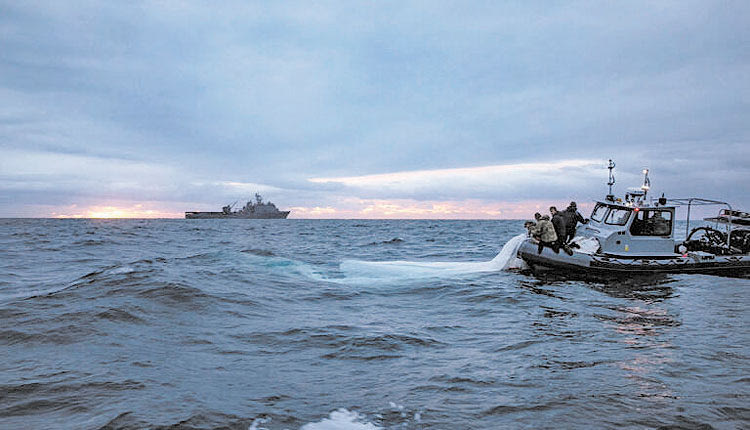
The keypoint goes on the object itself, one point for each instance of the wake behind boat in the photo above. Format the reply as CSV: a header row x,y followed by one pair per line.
x,y
257,210
636,236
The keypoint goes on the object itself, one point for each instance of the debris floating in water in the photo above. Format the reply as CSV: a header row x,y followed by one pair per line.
x,y
367,271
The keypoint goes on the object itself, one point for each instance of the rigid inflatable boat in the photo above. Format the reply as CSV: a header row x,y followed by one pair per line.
x,y
635,236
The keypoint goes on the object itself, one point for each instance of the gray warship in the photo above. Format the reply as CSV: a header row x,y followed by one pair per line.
x,y
252,210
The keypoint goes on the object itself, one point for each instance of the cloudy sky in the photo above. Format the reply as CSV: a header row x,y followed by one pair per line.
x,y
368,109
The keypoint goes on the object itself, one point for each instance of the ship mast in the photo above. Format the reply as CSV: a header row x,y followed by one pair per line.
x,y
611,182
646,183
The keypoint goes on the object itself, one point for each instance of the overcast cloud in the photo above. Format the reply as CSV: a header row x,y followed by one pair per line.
x,y
338,109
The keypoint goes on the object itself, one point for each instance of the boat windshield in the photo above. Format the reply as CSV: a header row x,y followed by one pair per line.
x,y
599,211
618,216
652,222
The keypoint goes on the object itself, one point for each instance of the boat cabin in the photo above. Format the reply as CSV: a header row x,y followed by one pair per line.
x,y
632,228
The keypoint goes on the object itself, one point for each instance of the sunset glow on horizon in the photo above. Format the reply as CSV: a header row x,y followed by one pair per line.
x,y
114,212
349,209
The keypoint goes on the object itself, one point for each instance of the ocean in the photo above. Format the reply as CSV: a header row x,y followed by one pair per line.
x,y
353,324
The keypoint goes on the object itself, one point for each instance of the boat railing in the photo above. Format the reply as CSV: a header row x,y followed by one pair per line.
x,y
695,201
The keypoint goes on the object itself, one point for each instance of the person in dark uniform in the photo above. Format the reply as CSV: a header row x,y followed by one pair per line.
x,y
558,221
657,225
572,218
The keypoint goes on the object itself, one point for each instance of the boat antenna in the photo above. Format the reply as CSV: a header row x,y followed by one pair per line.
x,y
611,182
646,183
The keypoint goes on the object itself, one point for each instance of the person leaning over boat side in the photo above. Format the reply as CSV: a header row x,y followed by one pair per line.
x,y
544,232
558,221
572,218
529,226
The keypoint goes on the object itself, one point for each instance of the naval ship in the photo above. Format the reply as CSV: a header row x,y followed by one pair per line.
x,y
252,210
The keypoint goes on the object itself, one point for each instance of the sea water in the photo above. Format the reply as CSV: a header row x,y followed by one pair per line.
x,y
306,324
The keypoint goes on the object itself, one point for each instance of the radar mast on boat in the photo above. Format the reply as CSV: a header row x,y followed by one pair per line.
x,y
610,166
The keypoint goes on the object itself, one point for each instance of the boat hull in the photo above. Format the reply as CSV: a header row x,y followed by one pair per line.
x,y
222,215
609,265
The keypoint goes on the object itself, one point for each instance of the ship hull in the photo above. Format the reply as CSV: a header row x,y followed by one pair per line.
x,y
222,215
607,265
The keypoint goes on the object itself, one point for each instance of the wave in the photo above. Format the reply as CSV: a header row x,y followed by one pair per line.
x,y
339,342
60,335
340,419
91,242
174,293
259,252
394,241
119,315
110,276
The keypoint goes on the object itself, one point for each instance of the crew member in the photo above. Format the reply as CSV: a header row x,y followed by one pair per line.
x,y
529,226
572,218
544,232
657,225
558,221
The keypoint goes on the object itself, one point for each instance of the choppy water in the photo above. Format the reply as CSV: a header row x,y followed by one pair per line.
x,y
289,324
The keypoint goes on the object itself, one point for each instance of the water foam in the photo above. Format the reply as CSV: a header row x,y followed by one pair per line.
x,y
506,259
281,266
341,419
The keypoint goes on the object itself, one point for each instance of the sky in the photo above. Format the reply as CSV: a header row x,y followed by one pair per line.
x,y
368,109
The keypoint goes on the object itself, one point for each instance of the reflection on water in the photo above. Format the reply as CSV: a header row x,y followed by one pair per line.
x,y
536,287
641,328
638,314
644,330
650,288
